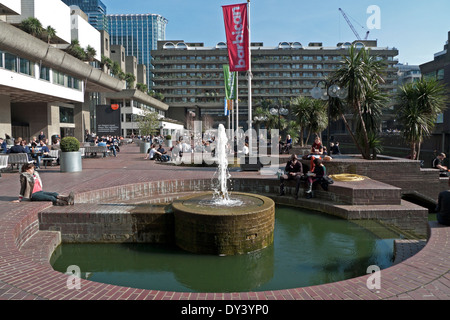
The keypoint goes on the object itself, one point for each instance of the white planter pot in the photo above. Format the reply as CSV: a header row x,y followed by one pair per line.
x,y
70,161
144,146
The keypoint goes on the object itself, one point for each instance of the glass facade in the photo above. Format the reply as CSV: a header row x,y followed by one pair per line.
x,y
139,35
95,10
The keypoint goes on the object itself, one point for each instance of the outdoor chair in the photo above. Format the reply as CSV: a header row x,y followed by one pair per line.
x,y
3,163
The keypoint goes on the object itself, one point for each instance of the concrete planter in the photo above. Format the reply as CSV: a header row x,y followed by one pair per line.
x,y
70,161
169,143
144,146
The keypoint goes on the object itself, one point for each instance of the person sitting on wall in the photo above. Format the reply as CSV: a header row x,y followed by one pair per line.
x,y
443,207
437,164
153,154
293,171
316,152
334,148
316,176
31,189
164,156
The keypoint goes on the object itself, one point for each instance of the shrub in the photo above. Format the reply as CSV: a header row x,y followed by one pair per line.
x,y
168,137
70,144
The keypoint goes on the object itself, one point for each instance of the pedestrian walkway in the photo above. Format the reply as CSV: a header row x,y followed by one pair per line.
x,y
25,272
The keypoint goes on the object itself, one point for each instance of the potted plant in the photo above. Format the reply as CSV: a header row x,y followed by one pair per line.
x,y
70,157
148,124
169,141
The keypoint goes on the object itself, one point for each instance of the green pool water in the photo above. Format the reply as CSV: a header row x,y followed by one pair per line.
x,y
309,248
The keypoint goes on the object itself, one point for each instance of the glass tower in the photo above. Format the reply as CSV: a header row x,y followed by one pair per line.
x,y
95,10
139,35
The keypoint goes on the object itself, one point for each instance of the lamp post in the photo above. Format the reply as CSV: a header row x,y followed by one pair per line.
x,y
331,90
279,110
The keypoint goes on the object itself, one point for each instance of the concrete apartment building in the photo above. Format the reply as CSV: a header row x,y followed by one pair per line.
x,y
439,68
190,75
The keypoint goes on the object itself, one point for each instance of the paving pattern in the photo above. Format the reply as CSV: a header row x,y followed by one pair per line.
x,y
26,274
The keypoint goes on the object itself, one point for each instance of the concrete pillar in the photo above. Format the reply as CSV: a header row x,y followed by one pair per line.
x,y
81,119
5,119
53,127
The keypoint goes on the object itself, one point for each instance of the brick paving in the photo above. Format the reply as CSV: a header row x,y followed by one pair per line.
x,y
26,274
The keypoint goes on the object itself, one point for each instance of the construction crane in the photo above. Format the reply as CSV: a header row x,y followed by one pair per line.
x,y
352,27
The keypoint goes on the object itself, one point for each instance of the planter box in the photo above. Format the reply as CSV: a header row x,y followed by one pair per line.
x,y
144,146
70,161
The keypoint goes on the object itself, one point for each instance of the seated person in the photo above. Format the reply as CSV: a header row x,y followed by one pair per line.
x,y
316,176
31,189
153,154
437,164
17,147
3,146
443,207
45,152
334,148
293,171
317,147
164,155
34,142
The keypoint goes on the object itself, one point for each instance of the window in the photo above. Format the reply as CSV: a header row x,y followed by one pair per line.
x,y
44,73
1,59
440,74
66,115
26,67
10,62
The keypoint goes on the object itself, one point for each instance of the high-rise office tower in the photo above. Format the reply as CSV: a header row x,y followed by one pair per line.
x,y
95,10
139,35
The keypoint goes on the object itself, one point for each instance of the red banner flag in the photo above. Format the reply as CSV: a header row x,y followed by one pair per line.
x,y
236,30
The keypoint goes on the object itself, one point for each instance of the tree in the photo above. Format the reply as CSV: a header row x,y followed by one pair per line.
x,y
142,87
360,73
51,33
32,26
310,116
75,50
130,79
90,53
419,104
148,123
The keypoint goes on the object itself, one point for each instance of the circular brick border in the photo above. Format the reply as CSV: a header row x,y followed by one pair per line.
x,y
423,276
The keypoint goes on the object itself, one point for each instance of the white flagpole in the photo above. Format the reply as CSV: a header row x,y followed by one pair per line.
x,y
249,74
237,102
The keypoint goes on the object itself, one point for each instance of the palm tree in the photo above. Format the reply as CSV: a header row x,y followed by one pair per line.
x,y
301,107
311,115
90,53
130,79
419,104
32,26
75,50
360,73
51,33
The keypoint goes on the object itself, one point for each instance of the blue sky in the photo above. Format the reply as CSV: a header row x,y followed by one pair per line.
x,y
417,28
